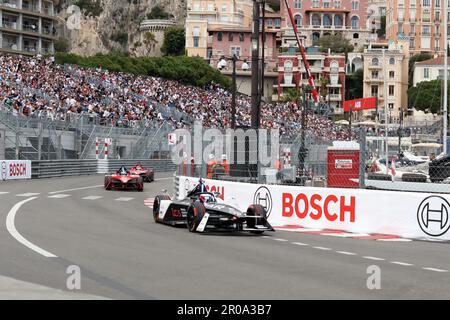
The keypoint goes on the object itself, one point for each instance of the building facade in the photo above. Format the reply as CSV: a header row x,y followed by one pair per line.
x,y
386,64
327,69
420,21
220,28
317,18
429,70
27,26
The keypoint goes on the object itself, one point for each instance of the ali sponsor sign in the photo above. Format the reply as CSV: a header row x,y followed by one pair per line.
x,y
15,169
406,214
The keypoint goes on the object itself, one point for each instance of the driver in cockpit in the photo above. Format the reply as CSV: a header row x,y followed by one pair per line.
x,y
122,171
199,188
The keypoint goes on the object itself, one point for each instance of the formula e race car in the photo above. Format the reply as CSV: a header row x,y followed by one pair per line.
x,y
203,211
124,180
148,175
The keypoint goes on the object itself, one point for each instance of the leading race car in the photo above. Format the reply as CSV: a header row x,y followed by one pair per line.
x,y
148,175
124,180
202,210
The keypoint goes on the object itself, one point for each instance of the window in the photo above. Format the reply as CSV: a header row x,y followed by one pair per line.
x,y
374,74
230,36
277,23
337,4
437,3
356,36
426,30
391,74
196,40
269,23
392,61
355,22
374,91
315,3
241,37
236,51
316,20
327,20
219,36
390,106
375,61
334,67
426,73
355,5
337,21
437,16
224,8
298,20
425,3
297,4
288,66
326,3
391,90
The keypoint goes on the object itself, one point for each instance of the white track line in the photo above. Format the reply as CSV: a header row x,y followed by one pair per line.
x,y
300,244
124,199
59,196
4,192
402,263
92,198
395,240
16,235
322,248
75,189
347,253
27,194
434,269
373,258
278,239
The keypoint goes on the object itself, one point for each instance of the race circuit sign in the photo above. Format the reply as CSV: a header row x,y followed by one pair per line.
x,y
15,169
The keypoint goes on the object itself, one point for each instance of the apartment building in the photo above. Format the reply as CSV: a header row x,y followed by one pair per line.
x,y
419,21
318,18
27,26
386,63
292,74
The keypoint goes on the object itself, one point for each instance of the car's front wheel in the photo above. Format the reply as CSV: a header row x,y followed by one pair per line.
x,y
157,205
195,215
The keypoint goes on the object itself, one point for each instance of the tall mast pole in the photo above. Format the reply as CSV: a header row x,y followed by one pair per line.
x,y
445,111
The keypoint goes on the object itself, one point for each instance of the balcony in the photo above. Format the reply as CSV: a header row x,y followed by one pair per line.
x,y
375,79
10,25
334,97
10,4
375,66
30,6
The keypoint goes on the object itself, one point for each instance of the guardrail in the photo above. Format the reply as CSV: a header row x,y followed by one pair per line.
x,y
67,168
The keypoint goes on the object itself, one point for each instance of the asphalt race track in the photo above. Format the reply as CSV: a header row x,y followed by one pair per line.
x,y
123,254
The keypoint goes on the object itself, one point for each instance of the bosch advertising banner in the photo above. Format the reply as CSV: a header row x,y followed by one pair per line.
x,y
360,104
408,214
15,169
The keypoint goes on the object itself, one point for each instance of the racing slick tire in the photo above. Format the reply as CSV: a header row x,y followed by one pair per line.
x,y
156,205
259,211
108,183
195,215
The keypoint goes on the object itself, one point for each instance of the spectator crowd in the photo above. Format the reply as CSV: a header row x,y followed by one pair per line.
x,y
38,87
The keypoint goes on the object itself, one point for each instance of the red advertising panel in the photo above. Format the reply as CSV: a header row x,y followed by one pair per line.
x,y
360,104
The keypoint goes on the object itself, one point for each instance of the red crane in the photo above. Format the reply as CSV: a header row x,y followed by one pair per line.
x,y
302,52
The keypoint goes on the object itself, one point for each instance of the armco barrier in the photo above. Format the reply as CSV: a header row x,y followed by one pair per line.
x,y
63,168
406,214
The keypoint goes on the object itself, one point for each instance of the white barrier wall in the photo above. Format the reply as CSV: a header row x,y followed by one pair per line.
x,y
15,169
406,214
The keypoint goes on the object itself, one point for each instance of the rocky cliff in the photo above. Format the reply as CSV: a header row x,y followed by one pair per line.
x,y
105,25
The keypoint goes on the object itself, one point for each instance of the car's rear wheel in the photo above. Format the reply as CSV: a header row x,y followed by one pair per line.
x,y
157,205
195,215
256,210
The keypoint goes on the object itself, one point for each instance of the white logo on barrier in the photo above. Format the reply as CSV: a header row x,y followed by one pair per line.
x,y
263,198
4,171
433,216
74,280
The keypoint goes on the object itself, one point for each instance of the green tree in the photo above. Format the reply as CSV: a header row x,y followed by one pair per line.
x,y
149,41
323,82
292,95
158,12
336,43
354,85
91,7
416,58
62,45
174,41
426,96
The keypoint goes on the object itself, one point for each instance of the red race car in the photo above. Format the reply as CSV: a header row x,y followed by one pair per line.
x,y
147,174
124,180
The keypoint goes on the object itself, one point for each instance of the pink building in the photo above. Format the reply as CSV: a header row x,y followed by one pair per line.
x,y
328,71
226,41
316,18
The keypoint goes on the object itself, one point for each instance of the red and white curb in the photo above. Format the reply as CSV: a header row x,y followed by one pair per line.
x,y
149,202
342,233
